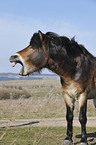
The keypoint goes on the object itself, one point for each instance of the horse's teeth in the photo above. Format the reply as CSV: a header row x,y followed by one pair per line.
x,y
13,64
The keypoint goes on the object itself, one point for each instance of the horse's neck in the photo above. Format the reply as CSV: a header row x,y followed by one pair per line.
x,y
54,66
57,68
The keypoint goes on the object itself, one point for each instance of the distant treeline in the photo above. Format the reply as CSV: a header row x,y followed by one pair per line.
x,y
15,76
20,78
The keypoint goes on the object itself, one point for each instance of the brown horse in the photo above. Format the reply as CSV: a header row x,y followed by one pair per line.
x,y
72,62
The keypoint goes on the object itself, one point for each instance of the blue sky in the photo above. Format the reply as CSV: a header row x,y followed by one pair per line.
x,y
19,19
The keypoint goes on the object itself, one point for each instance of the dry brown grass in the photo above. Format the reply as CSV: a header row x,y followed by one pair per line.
x,y
46,100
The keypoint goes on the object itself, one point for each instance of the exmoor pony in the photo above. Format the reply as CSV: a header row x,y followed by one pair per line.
x,y
72,62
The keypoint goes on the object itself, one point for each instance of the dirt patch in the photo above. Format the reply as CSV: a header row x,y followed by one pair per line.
x,y
45,122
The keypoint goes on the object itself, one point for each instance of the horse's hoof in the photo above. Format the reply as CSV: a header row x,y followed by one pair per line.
x,y
67,142
83,143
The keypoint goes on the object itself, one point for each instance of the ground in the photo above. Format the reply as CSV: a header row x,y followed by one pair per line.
x,y
41,116
45,122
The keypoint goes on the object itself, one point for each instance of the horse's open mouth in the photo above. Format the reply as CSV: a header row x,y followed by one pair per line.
x,y
22,69
14,59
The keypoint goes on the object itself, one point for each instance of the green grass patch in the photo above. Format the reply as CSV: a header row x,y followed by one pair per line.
x,y
41,135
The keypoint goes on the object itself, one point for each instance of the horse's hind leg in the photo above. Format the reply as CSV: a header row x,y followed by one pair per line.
x,y
83,119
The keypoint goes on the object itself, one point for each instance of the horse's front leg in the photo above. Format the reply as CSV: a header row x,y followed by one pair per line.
x,y
69,118
83,118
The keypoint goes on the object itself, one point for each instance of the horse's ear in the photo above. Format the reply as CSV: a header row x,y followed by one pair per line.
x,y
40,35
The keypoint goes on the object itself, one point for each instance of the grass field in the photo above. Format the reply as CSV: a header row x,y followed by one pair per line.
x,y
41,136
45,101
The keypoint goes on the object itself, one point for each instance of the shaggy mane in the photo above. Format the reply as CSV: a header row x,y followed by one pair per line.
x,y
56,44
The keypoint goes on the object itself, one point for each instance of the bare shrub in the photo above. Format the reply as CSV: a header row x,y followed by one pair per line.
x,y
13,87
4,94
26,94
20,88
7,93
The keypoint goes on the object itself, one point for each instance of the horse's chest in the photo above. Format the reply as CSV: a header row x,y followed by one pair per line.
x,y
72,89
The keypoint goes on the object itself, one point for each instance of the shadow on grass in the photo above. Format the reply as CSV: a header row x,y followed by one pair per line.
x,y
22,125
90,138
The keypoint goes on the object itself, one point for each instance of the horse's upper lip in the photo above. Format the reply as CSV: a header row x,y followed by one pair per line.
x,y
14,58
